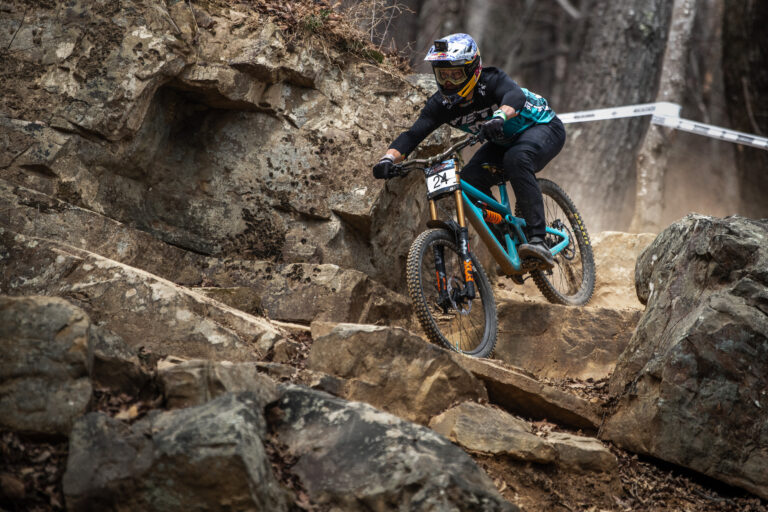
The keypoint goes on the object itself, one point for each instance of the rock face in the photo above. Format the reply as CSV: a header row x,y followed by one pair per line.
x,y
47,353
306,292
225,138
143,309
558,342
209,457
691,386
354,457
394,370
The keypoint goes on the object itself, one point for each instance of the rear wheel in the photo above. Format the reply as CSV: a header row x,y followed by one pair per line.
x,y
572,280
450,319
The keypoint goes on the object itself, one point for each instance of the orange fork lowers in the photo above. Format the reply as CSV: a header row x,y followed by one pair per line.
x,y
468,276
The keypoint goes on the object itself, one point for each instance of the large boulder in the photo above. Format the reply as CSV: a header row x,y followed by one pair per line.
x,y
47,353
350,457
143,309
210,457
394,370
692,387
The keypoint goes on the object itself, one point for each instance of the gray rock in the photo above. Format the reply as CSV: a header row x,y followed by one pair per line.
x,y
192,383
523,394
143,309
691,386
305,292
47,354
116,366
210,457
352,457
582,453
484,429
39,215
394,370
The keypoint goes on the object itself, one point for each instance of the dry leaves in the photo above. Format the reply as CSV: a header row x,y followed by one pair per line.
x,y
30,473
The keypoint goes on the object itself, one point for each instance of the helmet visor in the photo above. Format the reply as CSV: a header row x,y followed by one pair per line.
x,y
451,77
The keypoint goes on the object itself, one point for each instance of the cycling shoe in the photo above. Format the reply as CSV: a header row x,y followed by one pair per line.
x,y
537,248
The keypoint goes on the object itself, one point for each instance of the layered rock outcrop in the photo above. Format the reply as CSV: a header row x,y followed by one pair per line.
x,y
691,386
224,138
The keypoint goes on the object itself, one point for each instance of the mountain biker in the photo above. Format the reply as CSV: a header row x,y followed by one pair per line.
x,y
522,132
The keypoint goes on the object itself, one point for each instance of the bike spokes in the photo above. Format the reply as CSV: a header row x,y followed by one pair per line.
x,y
458,317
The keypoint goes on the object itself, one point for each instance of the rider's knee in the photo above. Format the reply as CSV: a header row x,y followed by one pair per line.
x,y
517,162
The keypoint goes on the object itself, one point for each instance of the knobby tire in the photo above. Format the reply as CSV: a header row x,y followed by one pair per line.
x,y
424,301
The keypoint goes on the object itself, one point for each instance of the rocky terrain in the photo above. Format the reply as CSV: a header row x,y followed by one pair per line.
x,y
201,297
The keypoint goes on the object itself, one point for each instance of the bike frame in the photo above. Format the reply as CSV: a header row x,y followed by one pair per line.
x,y
466,197
507,257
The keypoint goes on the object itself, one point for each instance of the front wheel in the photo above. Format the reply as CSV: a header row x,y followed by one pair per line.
x,y
447,316
572,280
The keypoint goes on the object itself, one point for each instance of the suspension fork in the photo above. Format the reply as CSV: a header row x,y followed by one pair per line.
x,y
463,241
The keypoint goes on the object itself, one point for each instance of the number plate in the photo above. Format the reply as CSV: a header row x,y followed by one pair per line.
x,y
441,178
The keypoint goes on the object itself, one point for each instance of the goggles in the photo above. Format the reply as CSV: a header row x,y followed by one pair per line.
x,y
451,76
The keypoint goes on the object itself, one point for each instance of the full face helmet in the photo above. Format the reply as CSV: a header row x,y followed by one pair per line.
x,y
456,64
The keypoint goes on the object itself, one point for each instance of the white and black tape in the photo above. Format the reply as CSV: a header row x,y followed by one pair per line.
x,y
602,114
714,132
666,114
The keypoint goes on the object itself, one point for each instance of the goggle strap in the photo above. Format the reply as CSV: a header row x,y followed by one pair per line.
x,y
465,91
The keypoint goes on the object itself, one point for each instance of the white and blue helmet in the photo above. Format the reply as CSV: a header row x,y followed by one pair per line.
x,y
456,64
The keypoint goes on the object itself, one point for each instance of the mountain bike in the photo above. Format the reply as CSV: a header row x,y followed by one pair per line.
x,y
448,286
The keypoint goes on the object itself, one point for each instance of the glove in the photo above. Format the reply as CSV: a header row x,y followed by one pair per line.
x,y
492,129
385,169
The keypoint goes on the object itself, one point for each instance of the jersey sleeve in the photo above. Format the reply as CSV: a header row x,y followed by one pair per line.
x,y
507,92
429,120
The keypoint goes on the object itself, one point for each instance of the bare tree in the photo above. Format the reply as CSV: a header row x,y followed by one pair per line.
x,y
614,60
653,154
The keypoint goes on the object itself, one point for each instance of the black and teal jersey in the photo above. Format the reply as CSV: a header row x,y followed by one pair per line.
x,y
493,89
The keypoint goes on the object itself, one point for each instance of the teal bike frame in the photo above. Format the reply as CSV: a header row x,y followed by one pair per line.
x,y
467,200
507,257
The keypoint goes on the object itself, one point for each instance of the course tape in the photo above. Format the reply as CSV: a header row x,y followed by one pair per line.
x,y
666,114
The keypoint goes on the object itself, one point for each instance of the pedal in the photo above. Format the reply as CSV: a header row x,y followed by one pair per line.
x,y
534,264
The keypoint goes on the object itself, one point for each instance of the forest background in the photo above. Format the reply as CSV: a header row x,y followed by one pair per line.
x,y
709,56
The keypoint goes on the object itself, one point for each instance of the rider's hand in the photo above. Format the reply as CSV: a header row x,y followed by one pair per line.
x,y
492,129
385,169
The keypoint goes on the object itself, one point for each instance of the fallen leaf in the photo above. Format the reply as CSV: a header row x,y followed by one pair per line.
x,y
129,413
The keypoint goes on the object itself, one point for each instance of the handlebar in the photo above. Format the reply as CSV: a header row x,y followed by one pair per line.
x,y
407,166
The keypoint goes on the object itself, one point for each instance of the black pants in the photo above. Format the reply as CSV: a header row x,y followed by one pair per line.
x,y
520,161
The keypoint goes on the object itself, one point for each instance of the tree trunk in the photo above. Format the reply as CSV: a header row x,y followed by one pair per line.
x,y
654,152
615,60
745,54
